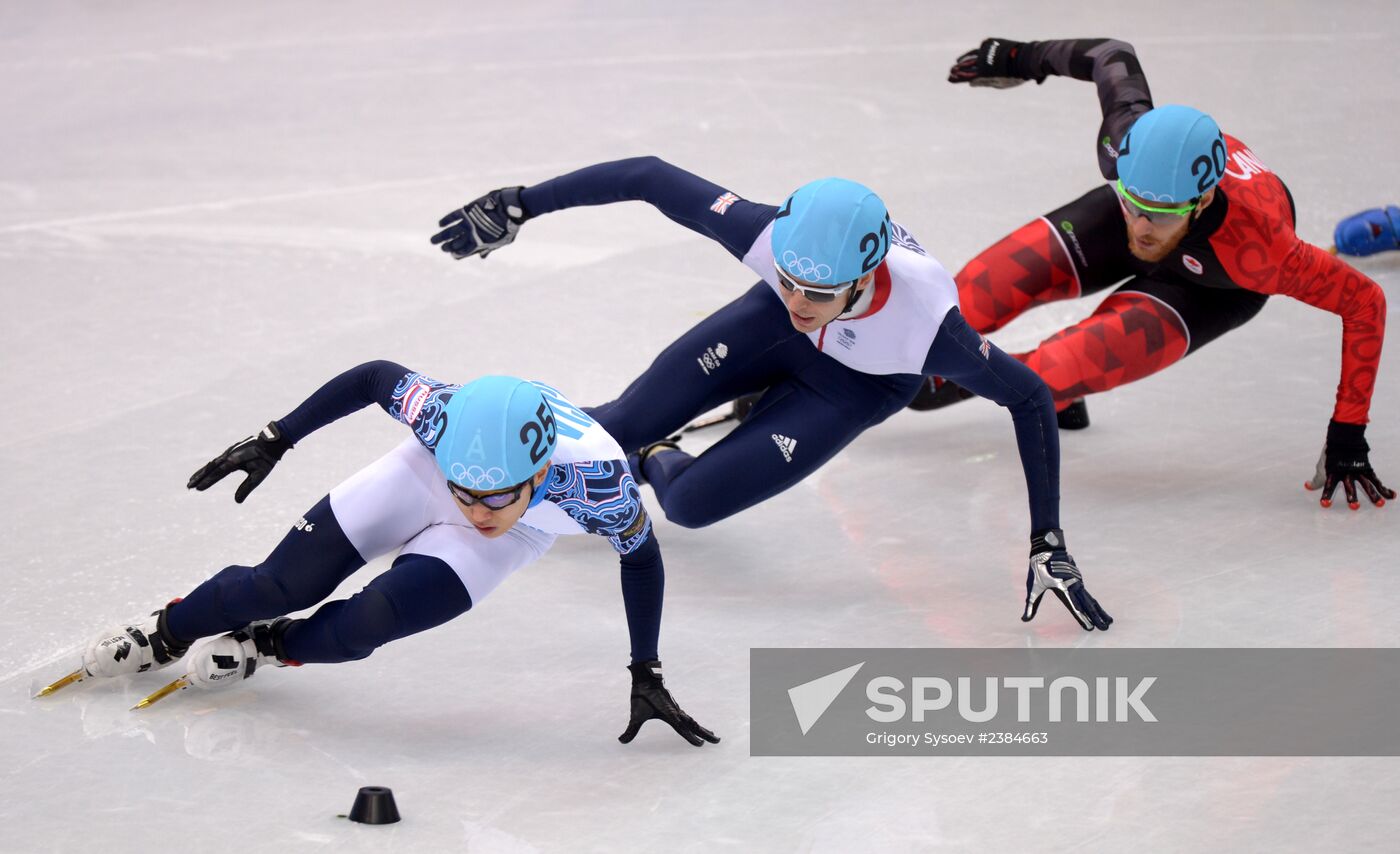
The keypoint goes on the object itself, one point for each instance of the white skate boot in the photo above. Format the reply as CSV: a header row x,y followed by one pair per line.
x,y
133,648
235,656
231,658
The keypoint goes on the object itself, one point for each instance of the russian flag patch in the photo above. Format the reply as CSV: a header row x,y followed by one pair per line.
x,y
413,401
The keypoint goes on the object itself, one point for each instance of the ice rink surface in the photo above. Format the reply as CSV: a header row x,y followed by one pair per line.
x,y
208,210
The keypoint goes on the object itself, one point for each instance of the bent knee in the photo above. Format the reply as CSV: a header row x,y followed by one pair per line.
x,y
367,622
692,508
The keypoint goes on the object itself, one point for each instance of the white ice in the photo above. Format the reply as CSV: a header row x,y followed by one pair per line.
x,y
206,210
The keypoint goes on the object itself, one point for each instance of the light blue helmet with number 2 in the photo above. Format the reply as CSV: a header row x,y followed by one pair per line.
x,y
499,431
831,232
1171,154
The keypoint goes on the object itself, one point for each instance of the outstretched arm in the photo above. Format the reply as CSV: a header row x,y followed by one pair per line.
x,y
1260,258
363,385
491,221
961,355
385,383
1111,64
643,588
1276,264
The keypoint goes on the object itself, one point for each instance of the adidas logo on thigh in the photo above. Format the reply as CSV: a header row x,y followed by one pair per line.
x,y
786,445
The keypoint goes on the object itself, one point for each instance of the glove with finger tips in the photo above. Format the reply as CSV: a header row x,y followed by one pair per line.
x,y
482,226
1052,569
991,64
1346,462
650,699
255,455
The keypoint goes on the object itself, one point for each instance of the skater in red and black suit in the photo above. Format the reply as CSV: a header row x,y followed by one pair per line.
x,y
1201,229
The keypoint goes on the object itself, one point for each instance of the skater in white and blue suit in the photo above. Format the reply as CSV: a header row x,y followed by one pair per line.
x,y
494,471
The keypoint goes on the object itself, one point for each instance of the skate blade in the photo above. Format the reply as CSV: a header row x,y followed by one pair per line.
x,y
76,676
156,697
713,421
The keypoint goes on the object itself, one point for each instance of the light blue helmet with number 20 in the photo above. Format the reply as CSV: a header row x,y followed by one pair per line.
x,y
499,432
1171,154
831,232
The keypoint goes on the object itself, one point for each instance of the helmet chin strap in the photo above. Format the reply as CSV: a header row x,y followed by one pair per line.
x,y
856,294
855,297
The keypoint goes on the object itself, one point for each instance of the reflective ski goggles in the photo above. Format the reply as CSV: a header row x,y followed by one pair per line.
x,y
1157,215
813,293
492,501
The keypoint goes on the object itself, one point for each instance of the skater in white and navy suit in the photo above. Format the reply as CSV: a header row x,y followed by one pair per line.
x,y
850,313
494,471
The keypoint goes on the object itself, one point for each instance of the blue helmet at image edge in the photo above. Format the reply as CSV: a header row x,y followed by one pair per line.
x,y
830,232
488,443
1172,154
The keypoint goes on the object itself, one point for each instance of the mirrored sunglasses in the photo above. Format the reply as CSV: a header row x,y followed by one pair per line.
x,y
813,293
493,501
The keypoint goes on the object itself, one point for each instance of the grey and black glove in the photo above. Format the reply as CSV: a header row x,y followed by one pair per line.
x,y
1054,570
992,64
482,226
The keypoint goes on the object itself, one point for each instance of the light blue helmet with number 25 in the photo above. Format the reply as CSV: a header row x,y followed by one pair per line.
x,y
831,232
499,432
1171,154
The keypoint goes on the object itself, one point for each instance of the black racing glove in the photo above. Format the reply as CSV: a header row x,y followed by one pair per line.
x,y
1345,461
482,226
256,455
650,699
1053,569
992,63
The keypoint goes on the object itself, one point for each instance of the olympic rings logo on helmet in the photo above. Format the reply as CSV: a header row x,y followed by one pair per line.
x,y
1150,196
478,478
805,268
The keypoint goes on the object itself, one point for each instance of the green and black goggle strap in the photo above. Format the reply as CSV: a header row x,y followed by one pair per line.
x,y
1152,213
